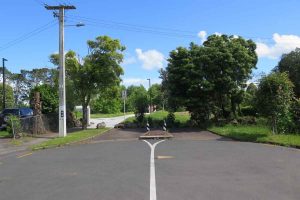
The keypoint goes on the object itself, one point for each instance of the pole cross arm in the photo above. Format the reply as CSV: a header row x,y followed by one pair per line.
x,y
60,7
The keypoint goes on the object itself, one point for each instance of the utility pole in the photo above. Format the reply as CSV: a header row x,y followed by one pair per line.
x,y
4,94
150,95
62,89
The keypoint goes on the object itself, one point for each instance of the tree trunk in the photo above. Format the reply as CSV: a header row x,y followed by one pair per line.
x,y
222,106
84,116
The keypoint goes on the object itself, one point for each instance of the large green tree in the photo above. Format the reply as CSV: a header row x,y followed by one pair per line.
x,y
108,101
138,98
274,100
156,95
208,79
134,92
290,63
100,69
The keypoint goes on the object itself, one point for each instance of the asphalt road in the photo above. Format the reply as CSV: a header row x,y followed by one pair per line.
x,y
210,168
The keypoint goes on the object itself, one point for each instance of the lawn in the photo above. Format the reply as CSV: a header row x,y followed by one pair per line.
x,y
260,134
5,134
71,138
181,118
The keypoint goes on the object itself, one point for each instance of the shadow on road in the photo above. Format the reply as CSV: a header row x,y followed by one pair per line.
x,y
180,134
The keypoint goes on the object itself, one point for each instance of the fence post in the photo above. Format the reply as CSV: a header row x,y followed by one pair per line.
x,y
13,129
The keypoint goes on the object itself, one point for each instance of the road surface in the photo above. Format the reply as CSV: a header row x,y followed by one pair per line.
x,y
111,167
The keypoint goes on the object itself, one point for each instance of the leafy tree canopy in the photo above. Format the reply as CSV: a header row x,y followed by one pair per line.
x,y
99,70
290,63
208,79
274,100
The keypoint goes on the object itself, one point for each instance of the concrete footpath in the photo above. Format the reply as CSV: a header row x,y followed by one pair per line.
x,y
110,122
8,145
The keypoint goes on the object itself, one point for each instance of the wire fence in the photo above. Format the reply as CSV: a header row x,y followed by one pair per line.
x,y
34,125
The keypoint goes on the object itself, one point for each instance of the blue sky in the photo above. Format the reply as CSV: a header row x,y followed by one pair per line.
x,y
149,29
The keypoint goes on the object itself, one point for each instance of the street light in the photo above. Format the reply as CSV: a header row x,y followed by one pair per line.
x,y
80,24
4,97
150,95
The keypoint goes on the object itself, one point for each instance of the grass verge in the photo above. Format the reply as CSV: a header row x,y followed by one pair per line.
x,y
5,134
181,118
71,138
259,134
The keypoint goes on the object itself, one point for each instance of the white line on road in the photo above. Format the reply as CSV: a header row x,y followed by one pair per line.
x,y
152,170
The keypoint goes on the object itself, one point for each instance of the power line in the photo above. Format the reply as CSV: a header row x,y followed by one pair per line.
x,y
134,28
131,25
28,35
147,29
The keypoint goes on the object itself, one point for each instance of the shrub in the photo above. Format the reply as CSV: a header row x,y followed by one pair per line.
x,y
14,126
170,119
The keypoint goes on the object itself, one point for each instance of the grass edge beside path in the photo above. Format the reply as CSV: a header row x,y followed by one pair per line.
x,y
69,139
5,134
256,134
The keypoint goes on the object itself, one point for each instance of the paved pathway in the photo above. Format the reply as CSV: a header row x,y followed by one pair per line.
x,y
110,122
7,146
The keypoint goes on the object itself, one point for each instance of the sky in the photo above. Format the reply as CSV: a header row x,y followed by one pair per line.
x,y
149,29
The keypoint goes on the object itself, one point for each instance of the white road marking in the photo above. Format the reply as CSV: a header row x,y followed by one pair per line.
x,y
152,170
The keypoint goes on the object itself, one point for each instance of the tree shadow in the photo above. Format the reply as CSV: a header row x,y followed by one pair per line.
x,y
244,136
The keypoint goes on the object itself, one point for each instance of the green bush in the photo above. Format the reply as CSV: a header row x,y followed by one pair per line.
x,y
49,97
170,119
14,126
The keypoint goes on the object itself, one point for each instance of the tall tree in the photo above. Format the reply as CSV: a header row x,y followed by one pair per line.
x,y
274,100
290,63
9,96
156,95
99,70
108,101
208,79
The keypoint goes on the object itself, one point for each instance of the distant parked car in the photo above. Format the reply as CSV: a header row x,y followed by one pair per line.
x,y
19,112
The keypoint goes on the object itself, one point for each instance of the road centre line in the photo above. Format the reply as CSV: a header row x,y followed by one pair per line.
x,y
152,170
27,154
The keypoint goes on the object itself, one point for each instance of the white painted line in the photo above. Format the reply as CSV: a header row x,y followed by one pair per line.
x,y
152,170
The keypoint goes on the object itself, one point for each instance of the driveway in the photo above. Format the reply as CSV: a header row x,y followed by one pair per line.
x,y
110,122
200,166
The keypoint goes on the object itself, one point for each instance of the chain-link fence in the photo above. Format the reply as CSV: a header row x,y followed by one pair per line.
x,y
39,124
33,125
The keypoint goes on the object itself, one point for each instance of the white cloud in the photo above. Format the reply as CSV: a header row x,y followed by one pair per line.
x,y
218,34
151,59
129,60
202,35
283,44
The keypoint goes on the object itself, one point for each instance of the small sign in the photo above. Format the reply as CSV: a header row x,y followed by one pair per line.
x,y
62,113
